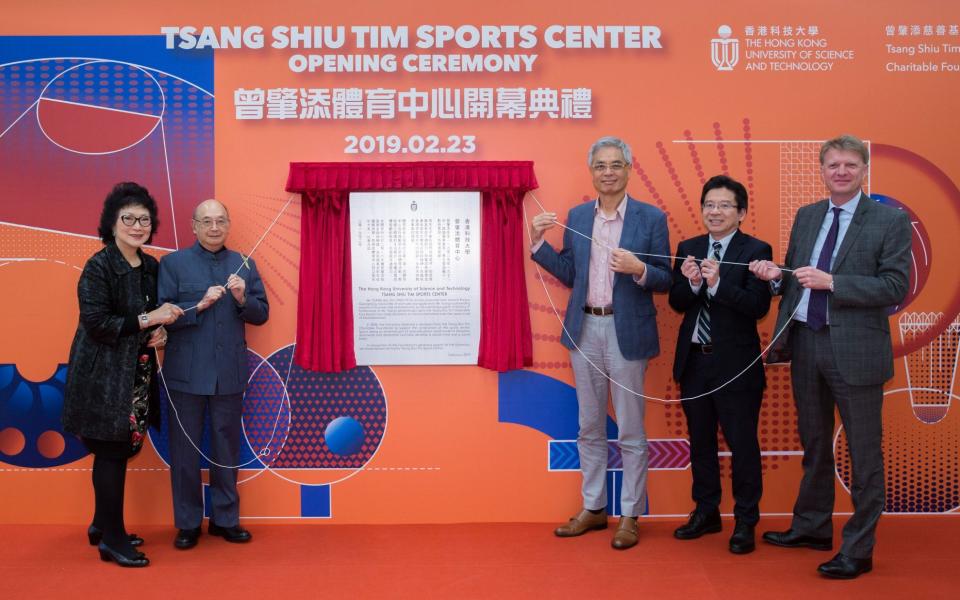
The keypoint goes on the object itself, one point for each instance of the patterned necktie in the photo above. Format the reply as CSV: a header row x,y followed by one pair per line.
x,y
817,306
703,319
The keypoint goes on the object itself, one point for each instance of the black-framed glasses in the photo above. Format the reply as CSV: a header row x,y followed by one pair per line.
x,y
129,220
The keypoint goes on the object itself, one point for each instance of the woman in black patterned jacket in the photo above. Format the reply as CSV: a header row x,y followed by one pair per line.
x,y
111,394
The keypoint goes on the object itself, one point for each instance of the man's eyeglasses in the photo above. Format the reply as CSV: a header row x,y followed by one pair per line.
x,y
208,223
128,220
723,206
614,166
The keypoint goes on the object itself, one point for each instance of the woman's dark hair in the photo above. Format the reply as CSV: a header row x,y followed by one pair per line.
x,y
123,194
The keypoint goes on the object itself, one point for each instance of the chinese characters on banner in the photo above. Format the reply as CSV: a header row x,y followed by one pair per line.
x,y
438,103
416,277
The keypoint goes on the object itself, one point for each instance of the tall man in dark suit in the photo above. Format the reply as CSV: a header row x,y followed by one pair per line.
x,y
850,261
205,368
610,327
718,339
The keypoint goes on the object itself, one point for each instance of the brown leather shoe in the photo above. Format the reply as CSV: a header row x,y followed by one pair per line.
x,y
626,535
583,522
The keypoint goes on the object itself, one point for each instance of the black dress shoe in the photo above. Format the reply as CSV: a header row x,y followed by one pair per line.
x,y
235,534
842,566
94,535
108,554
742,541
699,524
187,538
792,539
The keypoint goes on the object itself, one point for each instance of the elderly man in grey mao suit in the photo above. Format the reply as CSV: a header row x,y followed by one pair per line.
x,y
610,328
850,261
205,368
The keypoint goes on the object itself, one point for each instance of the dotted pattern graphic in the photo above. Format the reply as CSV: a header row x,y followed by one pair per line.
x,y
777,429
20,85
181,145
106,84
266,413
922,464
551,364
748,164
721,150
922,460
656,197
675,180
694,156
318,398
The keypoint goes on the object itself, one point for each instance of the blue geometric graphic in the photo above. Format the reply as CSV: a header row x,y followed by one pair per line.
x,y
542,403
563,455
30,411
344,436
315,501
550,406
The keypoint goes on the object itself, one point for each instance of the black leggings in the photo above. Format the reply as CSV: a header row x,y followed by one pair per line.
x,y
109,476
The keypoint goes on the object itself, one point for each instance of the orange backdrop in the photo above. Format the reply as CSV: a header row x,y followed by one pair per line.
x,y
445,455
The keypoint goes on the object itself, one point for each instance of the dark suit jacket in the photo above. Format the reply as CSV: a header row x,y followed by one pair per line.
x,y
870,274
207,351
741,300
644,230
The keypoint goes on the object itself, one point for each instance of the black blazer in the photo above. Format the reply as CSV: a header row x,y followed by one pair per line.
x,y
740,301
98,395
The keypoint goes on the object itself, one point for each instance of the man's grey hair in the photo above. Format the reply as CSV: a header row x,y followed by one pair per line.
x,y
847,142
610,142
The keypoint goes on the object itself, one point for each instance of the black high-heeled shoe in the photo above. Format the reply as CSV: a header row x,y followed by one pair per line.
x,y
108,554
94,534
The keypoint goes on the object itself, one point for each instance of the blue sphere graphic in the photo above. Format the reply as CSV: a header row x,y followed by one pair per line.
x,y
344,436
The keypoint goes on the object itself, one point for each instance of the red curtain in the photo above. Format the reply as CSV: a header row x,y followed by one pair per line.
x,y
325,307
325,310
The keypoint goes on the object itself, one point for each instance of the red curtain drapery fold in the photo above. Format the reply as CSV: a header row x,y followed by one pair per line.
x,y
325,309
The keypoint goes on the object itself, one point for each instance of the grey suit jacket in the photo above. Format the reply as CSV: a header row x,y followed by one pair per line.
x,y
870,274
634,314
207,351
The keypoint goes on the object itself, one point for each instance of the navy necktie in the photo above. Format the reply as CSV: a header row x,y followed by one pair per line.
x,y
817,307
703,319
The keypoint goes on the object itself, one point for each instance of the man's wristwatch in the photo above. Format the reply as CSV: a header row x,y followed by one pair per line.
x,y
144,321
831,285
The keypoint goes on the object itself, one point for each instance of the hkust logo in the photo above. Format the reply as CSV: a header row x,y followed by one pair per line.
x,y
724,50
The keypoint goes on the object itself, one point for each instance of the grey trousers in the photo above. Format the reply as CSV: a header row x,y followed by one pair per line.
x,y
817,387
598,341
225,429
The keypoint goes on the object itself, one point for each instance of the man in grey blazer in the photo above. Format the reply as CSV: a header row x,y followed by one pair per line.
x,y
850,261
205,368
610,327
